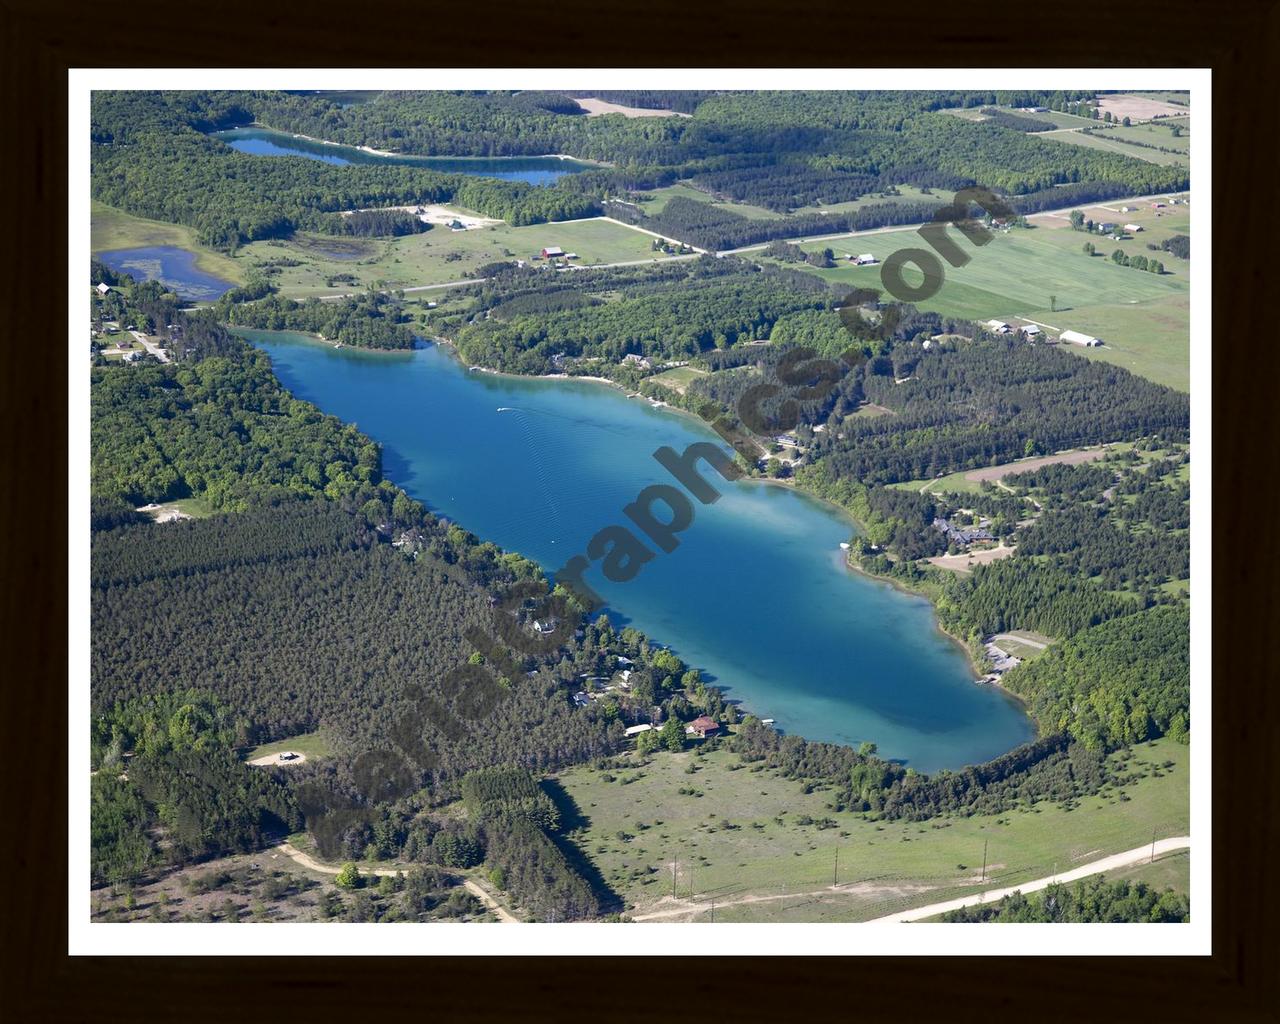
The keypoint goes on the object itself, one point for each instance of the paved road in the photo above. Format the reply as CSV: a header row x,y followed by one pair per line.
x,y
307,861
1117,860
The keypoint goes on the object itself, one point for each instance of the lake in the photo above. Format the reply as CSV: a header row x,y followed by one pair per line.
x,y
537,170
756,595
173,267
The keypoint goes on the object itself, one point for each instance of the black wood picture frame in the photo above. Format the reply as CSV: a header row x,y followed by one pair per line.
x,y
1239,40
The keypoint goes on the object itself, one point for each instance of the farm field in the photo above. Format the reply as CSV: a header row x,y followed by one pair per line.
x,y
1142,106
662,196
1056,118
1179,98
436,256
1143,318
739,835
1115,140
111,229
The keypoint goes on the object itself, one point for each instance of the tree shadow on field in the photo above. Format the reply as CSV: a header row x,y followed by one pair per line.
x,y
572,818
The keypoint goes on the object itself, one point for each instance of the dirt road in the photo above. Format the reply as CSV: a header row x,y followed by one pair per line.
x,y
1117,860
1026,465
307,861
151,346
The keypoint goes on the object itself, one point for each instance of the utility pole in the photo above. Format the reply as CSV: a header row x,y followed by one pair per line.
x,y
984,858
675,867
835,874
1153,846
713,911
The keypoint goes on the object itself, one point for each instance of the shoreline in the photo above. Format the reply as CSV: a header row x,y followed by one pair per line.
x,y
316,339
902,588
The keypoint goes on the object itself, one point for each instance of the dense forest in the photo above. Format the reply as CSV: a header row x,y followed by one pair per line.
x,y
688,309
222,429
1090,900
165,760
1126,681
368,320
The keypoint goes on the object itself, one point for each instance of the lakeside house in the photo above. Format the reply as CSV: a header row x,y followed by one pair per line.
x,y
702,727
636,360
962,534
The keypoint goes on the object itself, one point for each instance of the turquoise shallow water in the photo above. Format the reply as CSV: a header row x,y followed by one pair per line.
x,y
537,170
756,594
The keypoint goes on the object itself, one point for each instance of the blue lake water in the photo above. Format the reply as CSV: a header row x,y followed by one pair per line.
x,y
173,267
756,594
537,170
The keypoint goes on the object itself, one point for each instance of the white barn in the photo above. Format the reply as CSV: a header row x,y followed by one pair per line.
x,y
1076,338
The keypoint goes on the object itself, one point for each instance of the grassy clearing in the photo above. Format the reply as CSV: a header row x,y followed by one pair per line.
x,y
112,229
1113,141
313,744
661,196
1059,120
436,256
1168,871
952,483
678,378
737,834
1012,643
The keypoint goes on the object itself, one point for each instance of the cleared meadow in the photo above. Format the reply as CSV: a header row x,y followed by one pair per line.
x,y
739,835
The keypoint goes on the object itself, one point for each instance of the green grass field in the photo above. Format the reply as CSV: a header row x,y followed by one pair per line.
x,y
1143,318
678,378
661,196
436,256
313,744
739,839
1169,871
114,229
1009,642
1113,140
1057,119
